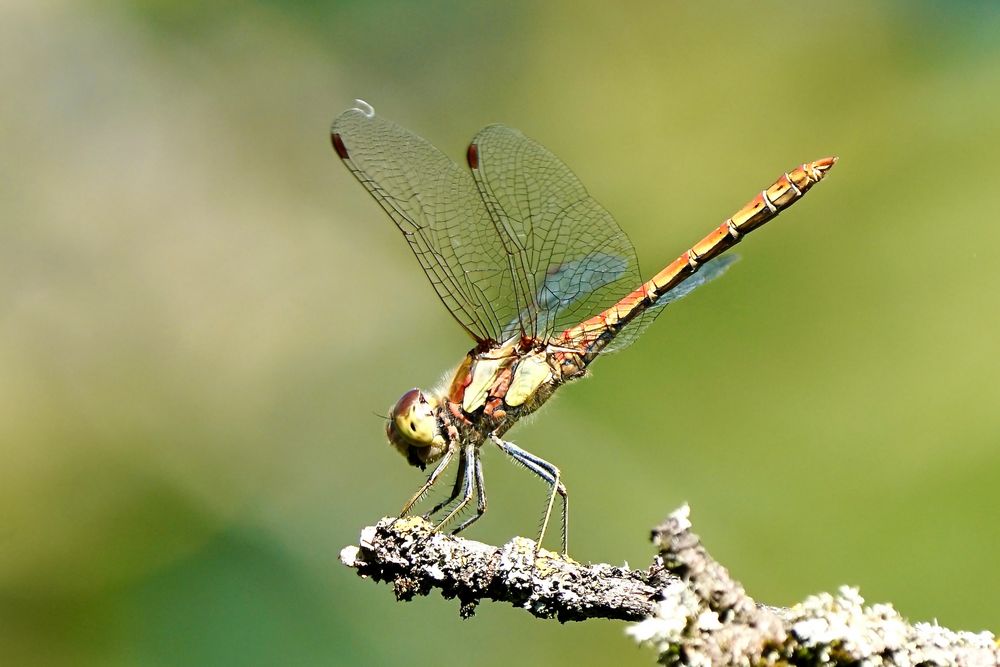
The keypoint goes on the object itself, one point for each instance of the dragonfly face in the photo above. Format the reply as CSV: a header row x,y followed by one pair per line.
x,y
413,429
533,269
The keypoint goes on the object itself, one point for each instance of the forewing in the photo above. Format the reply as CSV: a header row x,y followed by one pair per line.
x,y
567,257
437,206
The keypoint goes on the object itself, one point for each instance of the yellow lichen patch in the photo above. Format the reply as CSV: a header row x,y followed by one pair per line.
x,y
566,558
409,523
549,563
522,545
531,372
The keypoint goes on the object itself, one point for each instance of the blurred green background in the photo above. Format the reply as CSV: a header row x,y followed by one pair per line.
x,y
201,313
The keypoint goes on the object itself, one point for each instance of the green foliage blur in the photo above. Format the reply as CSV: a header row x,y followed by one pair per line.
x,y
202,314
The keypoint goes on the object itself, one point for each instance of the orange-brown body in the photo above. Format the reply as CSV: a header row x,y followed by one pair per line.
x,y
522,257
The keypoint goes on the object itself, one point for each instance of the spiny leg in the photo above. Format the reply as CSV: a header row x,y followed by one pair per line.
x,y
550,474
445,460
480,496
468,484
456,489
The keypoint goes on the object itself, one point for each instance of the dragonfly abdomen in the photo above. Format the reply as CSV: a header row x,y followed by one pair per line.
x,y
594,334
766,206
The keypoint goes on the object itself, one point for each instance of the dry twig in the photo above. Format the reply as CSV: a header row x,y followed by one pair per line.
x,y
686,604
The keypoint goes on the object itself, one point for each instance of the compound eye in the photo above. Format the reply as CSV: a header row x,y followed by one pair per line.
x,y
406,402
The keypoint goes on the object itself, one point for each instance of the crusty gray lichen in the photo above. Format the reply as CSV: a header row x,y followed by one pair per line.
x,y
717,623
686,605
822,630
416,559
878,635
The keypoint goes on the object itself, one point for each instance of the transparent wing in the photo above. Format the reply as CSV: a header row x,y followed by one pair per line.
x,y
436,205
710,271
565,284
567,258
517,248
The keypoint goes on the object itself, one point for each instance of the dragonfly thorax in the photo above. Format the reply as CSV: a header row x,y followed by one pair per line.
x,y
415,429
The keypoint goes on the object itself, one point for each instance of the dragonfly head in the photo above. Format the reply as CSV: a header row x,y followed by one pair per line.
x,y
415,430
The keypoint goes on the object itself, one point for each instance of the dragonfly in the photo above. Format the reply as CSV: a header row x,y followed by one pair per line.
x,y
538,274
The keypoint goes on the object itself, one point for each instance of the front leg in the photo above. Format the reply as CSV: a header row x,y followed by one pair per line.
x,y
547,472
445,460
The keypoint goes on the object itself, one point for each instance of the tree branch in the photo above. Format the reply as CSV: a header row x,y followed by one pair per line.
x,y
686,603
416,559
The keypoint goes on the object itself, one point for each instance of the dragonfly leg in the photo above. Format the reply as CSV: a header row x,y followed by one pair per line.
x,y
445,460
468,485
480,497
456,490
550,474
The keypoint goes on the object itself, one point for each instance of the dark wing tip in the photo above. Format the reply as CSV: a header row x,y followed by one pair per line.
x,y
338,145
472,156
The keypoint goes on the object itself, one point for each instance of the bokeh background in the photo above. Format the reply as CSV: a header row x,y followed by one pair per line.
x,y
202,313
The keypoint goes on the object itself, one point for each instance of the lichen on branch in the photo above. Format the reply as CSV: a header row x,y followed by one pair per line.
x,y
685,604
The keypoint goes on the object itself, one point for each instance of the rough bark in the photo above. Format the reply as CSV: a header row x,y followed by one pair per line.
x,y
408,553
686,604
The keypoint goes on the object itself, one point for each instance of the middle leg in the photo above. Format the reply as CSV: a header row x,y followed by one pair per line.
x,y
480,496
468,484
445,460
456,490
